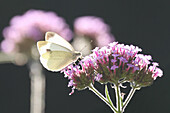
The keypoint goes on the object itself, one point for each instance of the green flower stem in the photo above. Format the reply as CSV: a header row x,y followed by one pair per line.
x,y
129,97
107,95
92,88
118,98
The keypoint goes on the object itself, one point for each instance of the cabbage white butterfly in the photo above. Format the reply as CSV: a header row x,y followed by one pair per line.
x,y
55,52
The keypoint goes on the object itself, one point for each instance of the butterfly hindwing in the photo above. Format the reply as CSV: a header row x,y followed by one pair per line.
x,y
56,60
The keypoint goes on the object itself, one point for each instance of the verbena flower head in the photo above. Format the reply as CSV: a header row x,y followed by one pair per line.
x,y
31,27
95,28
115,63
81,75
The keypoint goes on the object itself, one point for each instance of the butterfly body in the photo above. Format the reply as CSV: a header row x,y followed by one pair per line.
x,y
56,53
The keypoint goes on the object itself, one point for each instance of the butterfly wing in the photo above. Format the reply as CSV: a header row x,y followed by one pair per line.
x,y
56,53
44,46
54,57
56,60
55,38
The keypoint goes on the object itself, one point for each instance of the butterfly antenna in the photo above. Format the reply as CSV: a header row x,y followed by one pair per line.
x,y
86,46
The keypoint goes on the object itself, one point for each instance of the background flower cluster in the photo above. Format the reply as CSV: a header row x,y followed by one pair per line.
x,y
26,29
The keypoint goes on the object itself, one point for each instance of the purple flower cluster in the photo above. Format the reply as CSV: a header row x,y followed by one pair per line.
x,y
32,26
95,28
81,75
115,63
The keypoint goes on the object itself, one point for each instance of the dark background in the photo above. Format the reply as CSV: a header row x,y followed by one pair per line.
x,y
145,23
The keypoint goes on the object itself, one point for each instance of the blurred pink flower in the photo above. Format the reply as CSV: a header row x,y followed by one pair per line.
x,y
33,25
94,27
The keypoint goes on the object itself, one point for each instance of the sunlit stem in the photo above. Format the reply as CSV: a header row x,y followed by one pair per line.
x,y
92,88
5,58
129,97
17,58
107,95
37,103
118,98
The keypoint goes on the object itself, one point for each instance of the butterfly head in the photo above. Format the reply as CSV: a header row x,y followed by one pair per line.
x,y
76,55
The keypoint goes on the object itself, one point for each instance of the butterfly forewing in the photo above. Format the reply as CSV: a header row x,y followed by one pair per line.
x,y
45,46
55,38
